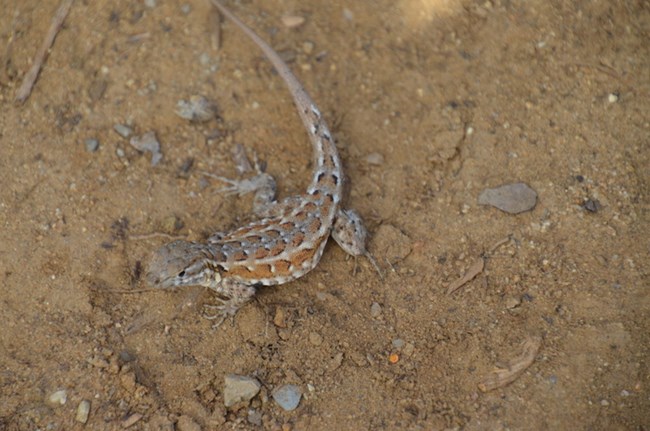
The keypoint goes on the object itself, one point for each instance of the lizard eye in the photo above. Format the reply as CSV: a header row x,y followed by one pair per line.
x,y
182,273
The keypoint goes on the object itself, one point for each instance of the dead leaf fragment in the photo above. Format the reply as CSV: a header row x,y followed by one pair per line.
x,y
501,377
473,271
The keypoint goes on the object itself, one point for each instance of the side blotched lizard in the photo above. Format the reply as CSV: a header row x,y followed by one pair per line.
x,y
288,240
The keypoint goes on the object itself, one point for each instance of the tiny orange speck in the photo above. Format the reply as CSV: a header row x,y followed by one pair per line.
x,y
393,358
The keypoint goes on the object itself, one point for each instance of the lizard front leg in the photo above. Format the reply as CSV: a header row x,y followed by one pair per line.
x,y
236,294
351,235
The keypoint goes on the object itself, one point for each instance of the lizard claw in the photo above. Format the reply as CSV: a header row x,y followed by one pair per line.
x,y
228,308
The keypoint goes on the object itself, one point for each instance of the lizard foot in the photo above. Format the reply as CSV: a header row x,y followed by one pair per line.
x,y
219,313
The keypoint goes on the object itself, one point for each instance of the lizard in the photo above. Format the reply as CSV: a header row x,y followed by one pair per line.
x,y
289,236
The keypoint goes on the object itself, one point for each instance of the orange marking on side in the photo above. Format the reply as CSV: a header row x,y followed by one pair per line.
x,y
301,216
259,272
287,226
306,254
239,256
297,239
261,253
282,268
314,225
278,249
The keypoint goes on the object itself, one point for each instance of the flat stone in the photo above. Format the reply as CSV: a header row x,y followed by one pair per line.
x,y
287,397
239,389
148,142
511,198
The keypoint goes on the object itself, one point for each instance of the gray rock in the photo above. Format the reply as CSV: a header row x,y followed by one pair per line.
x,y
239,389
148,142
375,310
122,130
287,397
91,145
198,109
511,198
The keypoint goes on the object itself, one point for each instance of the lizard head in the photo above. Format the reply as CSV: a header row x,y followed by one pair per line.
x,y
182,263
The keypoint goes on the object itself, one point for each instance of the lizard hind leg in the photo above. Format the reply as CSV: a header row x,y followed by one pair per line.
x,y
262,184
351,235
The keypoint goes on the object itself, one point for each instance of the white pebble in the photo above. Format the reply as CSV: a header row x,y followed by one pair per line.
x,y
58,398
292,21
374,159
612,98
83,411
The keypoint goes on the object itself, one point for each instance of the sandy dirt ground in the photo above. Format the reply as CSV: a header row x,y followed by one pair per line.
x,y
431,101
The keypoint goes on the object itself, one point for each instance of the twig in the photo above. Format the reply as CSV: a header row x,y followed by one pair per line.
x,y
30,77
156,235
6,61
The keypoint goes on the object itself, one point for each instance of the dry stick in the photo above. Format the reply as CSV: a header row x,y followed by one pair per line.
x,y
30,78
4,78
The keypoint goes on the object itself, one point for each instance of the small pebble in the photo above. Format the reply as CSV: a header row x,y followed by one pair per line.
x,y
315,338
254,417
604,403
308,47
239,389
122,130
280,318
292,21
375,159
186,8
287,397
612,98
512,302
83,411
398,343
591,205
150,3
625,393
198,109
91,145
131,420
126,356
375,310
120,152
58,398
148,142
336,362
186,423
511,198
